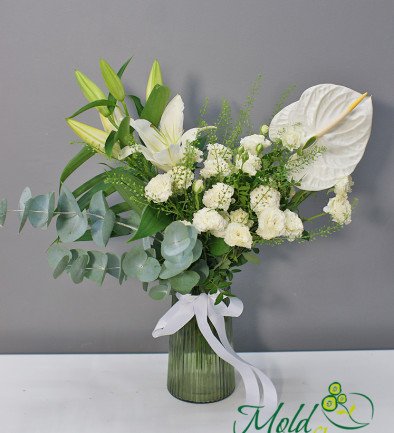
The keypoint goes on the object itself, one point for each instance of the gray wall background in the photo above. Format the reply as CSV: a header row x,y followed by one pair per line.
x,y
334,293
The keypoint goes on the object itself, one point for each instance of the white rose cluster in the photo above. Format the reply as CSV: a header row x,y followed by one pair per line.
x,y
218,197
218,162
159,188
339,206
273,222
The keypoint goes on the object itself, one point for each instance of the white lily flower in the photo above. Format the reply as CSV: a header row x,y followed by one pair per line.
x,y
165,145
340,120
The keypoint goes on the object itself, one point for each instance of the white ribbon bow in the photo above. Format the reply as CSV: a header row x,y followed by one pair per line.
x,y
203,307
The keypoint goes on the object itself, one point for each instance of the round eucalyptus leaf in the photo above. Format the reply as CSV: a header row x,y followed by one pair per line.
x,y
136,263
97,266
170,269
58,259
3,211
67,202
24,204
101,229
184,282
202,270
197,250
176,239
69,229
114,267
41,210
98,206
72,223
78,266
159,292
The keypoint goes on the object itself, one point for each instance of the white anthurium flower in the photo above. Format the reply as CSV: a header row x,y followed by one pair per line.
x,y
340,120
165,145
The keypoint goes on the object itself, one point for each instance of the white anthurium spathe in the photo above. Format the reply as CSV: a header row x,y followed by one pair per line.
x,y
340,120
165,145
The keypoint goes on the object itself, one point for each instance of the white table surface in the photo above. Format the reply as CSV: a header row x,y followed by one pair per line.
x,y
127,393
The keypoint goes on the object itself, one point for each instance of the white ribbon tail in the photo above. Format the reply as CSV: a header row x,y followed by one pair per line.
x,y
270,399
249,379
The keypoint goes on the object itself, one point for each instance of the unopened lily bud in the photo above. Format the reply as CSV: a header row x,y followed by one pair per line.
x,y
113,82
94,137
198,186
91,91
154,78
264,129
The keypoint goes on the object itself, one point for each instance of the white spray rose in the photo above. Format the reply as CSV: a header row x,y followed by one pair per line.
x,y
238,235
293,137
159,188
240,216
206,219
271,223
340,209
262,197
251,142
219,196
344,186
215,167
217,150
293,225
182,178
250,166
219,233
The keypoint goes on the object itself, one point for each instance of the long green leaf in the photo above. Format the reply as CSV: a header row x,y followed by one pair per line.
x,y
98,103
156,104
89,184
130,187
120,208
152,221
137,103
80,158
107,189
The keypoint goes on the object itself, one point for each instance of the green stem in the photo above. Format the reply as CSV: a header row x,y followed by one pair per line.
x,y
314,217
126,111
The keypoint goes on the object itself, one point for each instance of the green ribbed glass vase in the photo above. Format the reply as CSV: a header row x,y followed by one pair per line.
x,y
195,373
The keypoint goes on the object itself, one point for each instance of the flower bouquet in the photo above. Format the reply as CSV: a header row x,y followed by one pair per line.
x,y
200,202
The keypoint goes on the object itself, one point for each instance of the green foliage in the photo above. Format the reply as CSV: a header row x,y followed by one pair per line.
x,y
80,264
130,187
71,224
217,247
136,263
102,219
152,221
80,158
156,104
184,282
94,104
